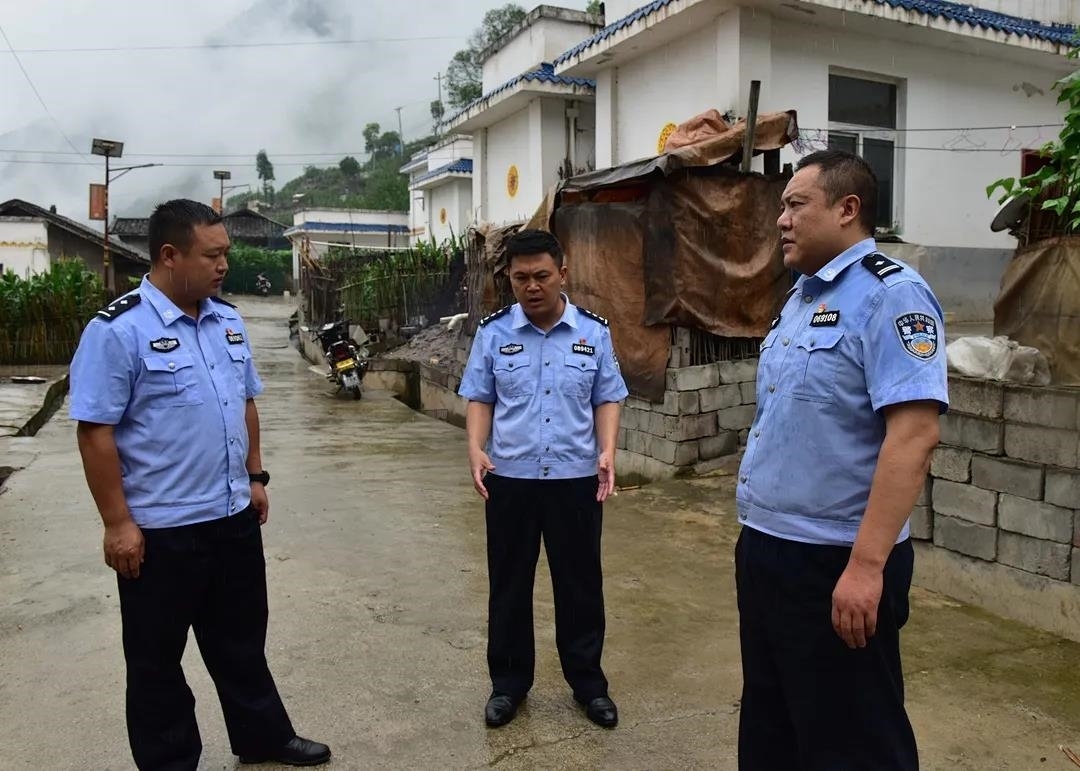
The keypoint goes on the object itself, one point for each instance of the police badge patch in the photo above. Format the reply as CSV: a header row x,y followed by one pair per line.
x,y
164,344
511,349
918,334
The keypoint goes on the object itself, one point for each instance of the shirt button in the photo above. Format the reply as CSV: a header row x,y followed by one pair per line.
x,y
743,479
807,299
547,420
547,363
226,402
787,341
757,434
172,365
211,366
772,389
510,365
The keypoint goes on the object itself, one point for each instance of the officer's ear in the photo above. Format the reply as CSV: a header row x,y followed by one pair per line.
x,y
168,256
851,207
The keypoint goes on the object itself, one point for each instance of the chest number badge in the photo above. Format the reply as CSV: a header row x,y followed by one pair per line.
x,y
918,334
234,338
824,318
582,348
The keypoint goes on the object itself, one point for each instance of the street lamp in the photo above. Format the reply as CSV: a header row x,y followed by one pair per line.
x,y
111,149
222,176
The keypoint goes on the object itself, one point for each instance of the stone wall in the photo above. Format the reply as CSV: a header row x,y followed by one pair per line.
x,y
1005,481
706,413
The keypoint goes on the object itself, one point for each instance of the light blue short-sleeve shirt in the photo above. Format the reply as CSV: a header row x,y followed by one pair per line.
x,y
863,333
175,390
545,387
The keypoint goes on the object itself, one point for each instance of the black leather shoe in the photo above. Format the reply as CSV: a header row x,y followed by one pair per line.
x,y
603,712
500,709
298,752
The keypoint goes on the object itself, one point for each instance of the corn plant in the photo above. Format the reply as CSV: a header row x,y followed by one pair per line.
x,y
42,316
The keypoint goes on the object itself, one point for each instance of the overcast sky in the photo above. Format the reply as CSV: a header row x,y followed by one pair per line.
x,y
206,104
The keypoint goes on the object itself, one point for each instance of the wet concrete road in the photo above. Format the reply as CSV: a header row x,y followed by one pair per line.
x,y
375,555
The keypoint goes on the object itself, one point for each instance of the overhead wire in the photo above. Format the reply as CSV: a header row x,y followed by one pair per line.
x,y
37,93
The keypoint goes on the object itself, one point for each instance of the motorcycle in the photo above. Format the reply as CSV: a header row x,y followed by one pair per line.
x,y
346,358
262,285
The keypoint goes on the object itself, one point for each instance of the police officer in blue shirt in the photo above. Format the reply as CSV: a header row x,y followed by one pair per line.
x,y
163,387
544,392
851,383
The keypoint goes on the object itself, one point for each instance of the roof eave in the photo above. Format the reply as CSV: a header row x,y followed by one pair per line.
x,y
439,180
918,18
479,115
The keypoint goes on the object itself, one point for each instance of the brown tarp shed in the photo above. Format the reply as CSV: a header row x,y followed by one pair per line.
x,y
676,240
1039,304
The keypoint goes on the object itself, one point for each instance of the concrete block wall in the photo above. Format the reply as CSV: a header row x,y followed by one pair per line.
x,y
706,413
1005,482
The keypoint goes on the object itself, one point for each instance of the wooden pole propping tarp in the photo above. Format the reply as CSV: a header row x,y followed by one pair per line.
x,y
751,125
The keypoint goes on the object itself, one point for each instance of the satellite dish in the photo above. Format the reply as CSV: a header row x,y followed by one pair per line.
x,y
1012,214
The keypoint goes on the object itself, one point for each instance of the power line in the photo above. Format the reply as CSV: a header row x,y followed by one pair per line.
x,y
33,88
219,46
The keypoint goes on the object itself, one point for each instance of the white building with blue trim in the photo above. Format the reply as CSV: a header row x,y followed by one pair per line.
x,y
440,190
316,231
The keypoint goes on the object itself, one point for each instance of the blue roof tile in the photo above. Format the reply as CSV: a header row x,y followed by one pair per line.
x,y
348,227
545,74
1064,34
611,29
964,13
461,166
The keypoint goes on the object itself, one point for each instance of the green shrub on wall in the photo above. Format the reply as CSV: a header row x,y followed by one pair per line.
x,y
246,262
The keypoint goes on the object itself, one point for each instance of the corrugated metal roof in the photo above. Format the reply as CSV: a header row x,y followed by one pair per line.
x,y
544,74
460,166
965,13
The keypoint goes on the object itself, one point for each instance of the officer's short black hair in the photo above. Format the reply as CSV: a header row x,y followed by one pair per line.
x,y
844,174
173,222
526,243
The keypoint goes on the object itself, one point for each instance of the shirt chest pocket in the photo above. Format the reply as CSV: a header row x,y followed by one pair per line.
x,y
512,375
239,356
170,380
578,375
817,359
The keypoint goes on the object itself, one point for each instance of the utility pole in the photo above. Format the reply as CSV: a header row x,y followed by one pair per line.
x,y
401,139
438,79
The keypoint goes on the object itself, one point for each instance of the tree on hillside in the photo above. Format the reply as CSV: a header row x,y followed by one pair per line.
x,y
265,170
380,144
595,7
463,75
349,166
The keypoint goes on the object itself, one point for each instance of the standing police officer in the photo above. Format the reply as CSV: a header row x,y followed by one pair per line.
x,y
850,385
544,392
163,386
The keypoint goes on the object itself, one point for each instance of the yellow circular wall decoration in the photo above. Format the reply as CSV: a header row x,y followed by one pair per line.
x,y
512,180
665,132
442,216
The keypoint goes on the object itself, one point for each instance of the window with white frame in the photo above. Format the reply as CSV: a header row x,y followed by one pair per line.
x,y
862,120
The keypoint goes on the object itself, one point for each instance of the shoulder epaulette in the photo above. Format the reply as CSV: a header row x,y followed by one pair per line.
x,y
593,316
217,299
880,265
123,305
496,315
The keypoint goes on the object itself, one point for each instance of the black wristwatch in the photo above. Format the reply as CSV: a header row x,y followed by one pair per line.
x,y
263,476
